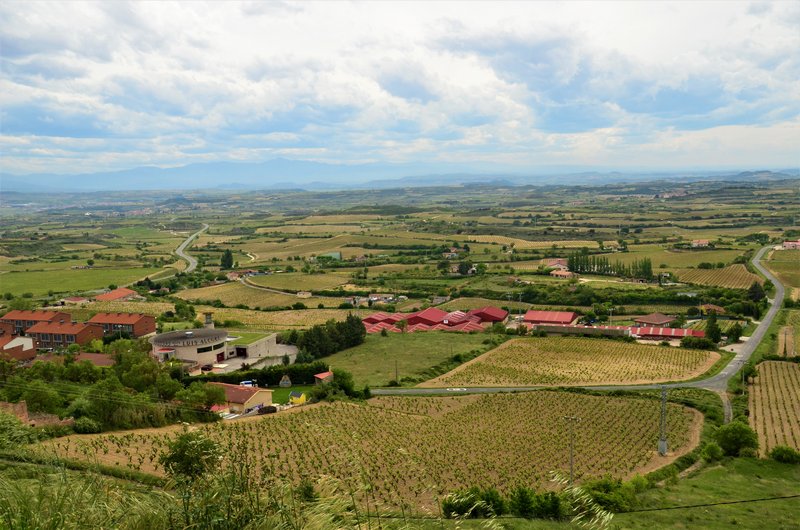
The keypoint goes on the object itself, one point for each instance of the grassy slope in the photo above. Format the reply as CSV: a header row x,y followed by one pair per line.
x,y
373,362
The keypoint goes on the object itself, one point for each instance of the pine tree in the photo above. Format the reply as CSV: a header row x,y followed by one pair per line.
x,y
227,259
713,332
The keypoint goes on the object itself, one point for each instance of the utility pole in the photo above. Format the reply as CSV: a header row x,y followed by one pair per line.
x,y
572,420
396,378
662,440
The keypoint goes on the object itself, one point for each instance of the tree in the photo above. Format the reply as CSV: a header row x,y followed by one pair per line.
x,y
735,332
735,436
227,259
713,332
756,292
41,397
190,456
201,396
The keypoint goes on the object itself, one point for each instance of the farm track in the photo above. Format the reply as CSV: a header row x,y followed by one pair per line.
x,y
717,383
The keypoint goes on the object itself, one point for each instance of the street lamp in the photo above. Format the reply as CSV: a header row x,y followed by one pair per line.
x,y
572,420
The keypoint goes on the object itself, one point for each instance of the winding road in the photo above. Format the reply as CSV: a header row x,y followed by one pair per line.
x,y
181,250
717,383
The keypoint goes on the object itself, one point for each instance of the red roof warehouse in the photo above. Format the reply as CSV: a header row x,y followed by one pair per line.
x,y
430,317
134,324
550,317
58,335
490,314
24,319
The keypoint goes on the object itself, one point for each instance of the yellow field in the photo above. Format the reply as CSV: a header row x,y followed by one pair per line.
x,y
234,293
409,448
734,277
525,244
565,361
775,405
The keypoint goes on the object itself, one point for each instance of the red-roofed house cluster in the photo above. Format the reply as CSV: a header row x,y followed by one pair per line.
x,y
53,329
434,319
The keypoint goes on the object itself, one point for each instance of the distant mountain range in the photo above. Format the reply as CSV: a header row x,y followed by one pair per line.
x,y
282,173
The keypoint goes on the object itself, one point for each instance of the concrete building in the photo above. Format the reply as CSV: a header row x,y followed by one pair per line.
x,y
17,349
654,320
21,319
118,295
134,324
260,348
195,346
62,334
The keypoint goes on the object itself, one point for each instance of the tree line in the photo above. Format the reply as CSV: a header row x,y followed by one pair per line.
x,y
583,263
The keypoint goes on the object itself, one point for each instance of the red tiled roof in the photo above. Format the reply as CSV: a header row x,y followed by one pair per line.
x,y
116,318
238,393
466,327
554,317
667,332
655,319
490,313
323,375
35,315
97,359
431,314
116,294
67,328
376,317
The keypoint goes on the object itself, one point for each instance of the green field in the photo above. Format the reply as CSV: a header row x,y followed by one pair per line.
x,y
245,337
297,281
68,281
281,395
373,363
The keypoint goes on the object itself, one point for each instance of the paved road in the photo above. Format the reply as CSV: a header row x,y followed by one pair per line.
x,y
181,250
717,383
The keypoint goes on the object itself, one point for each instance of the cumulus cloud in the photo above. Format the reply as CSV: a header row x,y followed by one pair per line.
x,y
95,86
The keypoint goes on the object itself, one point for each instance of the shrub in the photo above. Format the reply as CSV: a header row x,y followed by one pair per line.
x,y
736,436
785,454
86,425
712,452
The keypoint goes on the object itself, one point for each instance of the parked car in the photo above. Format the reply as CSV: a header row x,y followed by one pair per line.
x,y
206,368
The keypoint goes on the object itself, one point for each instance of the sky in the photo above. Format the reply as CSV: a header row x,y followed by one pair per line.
x,y
514,85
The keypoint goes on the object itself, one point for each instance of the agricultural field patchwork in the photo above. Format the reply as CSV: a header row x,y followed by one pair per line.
x,y
775,405
412,449
785,264
734,277
565,361
71,280
724,325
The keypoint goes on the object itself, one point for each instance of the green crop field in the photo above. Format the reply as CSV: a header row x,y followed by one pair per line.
x,y
733,276
70,280
373,363
297,281
564,361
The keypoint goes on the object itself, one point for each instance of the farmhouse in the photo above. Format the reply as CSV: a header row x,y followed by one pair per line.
x,y
550,317
240,399
791,245
17,349
700,243
74,300
62,334
709,308
324,377
556,263
24,319
117,295
562,273
134,324
654,319
197,346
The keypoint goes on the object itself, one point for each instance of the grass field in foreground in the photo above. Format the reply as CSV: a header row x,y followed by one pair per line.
x,y
409,447
373,363
577,361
